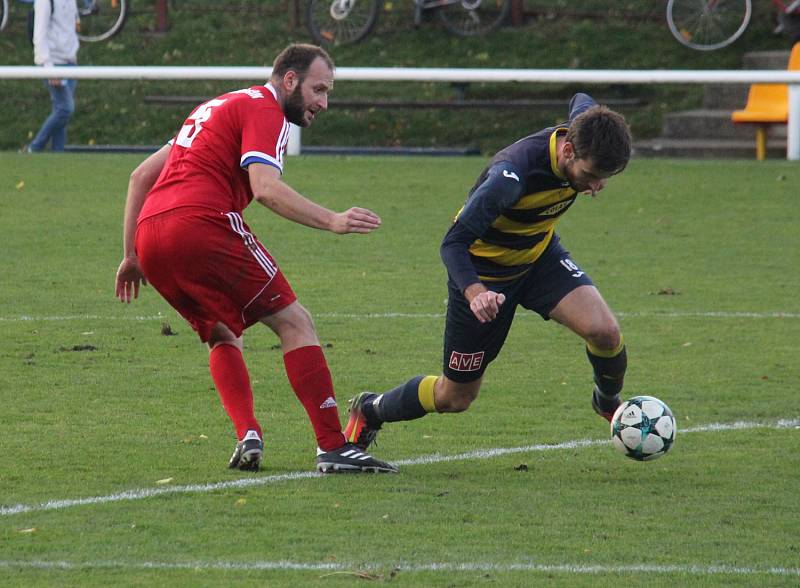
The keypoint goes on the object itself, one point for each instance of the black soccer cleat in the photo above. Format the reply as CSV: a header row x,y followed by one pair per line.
x,y
359,431
248,453
350,459
605,406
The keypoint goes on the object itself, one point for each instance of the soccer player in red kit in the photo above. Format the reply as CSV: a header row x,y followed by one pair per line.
x,y
184,234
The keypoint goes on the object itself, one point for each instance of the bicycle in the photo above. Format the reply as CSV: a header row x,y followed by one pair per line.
x,y
342,22
100,19
707,25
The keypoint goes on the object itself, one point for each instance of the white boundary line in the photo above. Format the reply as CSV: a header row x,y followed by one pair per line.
x,y
409,315
142,493
283,565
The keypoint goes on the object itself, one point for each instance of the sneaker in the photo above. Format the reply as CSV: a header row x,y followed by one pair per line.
x,y
248,453
605,406
358,431
350,459
89,8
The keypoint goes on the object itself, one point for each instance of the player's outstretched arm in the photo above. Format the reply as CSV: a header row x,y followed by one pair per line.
x,y
129,274
269,190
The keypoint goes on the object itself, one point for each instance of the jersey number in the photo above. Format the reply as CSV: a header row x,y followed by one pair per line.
x,y
201,115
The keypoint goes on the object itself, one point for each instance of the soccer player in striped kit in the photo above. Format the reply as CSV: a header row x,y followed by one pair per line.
x,y
501,252
185,235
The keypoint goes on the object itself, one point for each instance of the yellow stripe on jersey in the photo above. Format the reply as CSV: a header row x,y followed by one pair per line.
x,y
511,227
554,153
543,198
509,257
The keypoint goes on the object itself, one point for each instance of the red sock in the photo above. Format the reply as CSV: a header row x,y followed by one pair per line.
x,y
311,381
230,376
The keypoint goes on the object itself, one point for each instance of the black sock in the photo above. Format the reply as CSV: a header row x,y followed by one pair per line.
x,y
609,372
400,404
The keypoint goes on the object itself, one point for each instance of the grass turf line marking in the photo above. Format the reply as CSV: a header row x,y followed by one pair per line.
x,y
142,493
283,565
408,315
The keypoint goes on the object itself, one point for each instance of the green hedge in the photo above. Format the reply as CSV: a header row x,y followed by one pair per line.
x,y
556,34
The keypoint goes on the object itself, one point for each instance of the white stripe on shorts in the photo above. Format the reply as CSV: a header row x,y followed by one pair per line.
x,y
237,224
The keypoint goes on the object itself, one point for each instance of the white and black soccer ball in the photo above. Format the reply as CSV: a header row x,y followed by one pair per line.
x,y
643,428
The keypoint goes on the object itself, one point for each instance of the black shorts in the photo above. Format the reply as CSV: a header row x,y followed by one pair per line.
x,y
470,346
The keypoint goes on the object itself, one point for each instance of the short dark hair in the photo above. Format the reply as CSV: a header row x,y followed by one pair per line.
x,y
603,136
298,58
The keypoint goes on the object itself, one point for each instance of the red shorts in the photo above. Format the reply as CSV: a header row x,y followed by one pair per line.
x,y
211,269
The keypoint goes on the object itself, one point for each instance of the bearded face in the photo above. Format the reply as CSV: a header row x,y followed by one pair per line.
x,y
309,92
295,107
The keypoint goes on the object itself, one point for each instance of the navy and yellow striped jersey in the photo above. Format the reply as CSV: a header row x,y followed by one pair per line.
x,y
510,214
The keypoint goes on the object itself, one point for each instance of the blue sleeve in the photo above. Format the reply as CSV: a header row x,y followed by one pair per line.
x,y
501,188
455,255
580,103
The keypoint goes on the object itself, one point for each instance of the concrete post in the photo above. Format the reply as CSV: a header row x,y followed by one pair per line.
x,y
793,128
293,147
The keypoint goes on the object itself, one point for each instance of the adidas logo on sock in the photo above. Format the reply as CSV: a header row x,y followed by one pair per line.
x,y
251,434
330,402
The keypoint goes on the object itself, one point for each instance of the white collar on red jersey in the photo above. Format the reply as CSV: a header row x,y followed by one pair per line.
x,y
271,88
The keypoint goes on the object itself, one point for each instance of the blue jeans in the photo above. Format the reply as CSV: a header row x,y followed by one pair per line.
x,y
55,127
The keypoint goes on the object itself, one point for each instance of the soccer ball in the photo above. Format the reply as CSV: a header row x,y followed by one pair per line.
x,y
643,428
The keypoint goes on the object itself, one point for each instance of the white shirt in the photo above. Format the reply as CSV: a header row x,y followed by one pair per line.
x,y
55,38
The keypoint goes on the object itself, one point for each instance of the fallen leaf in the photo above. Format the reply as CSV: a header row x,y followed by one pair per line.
x,y
20,184
164,481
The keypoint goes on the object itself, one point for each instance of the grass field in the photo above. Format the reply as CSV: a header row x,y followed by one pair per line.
x,y
114,445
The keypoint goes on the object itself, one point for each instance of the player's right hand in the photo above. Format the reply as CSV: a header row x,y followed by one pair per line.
x,y
486,305
129,276
355,220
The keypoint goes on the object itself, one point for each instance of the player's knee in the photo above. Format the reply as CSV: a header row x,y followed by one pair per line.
x,y
456,397
294,326
605,335
300,320
222,335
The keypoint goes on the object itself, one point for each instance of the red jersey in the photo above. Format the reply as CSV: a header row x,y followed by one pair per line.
x,y
207,165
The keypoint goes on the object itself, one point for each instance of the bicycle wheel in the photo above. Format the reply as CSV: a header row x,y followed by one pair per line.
x,y
341,22
466,18
706,25
101,19
3,14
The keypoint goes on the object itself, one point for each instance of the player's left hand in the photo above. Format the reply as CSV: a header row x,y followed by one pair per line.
x,y
129,276
355,220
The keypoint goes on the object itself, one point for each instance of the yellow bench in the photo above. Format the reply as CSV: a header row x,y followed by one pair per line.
x,y
767,104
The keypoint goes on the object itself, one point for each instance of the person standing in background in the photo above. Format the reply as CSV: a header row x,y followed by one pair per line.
x,y
55,43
